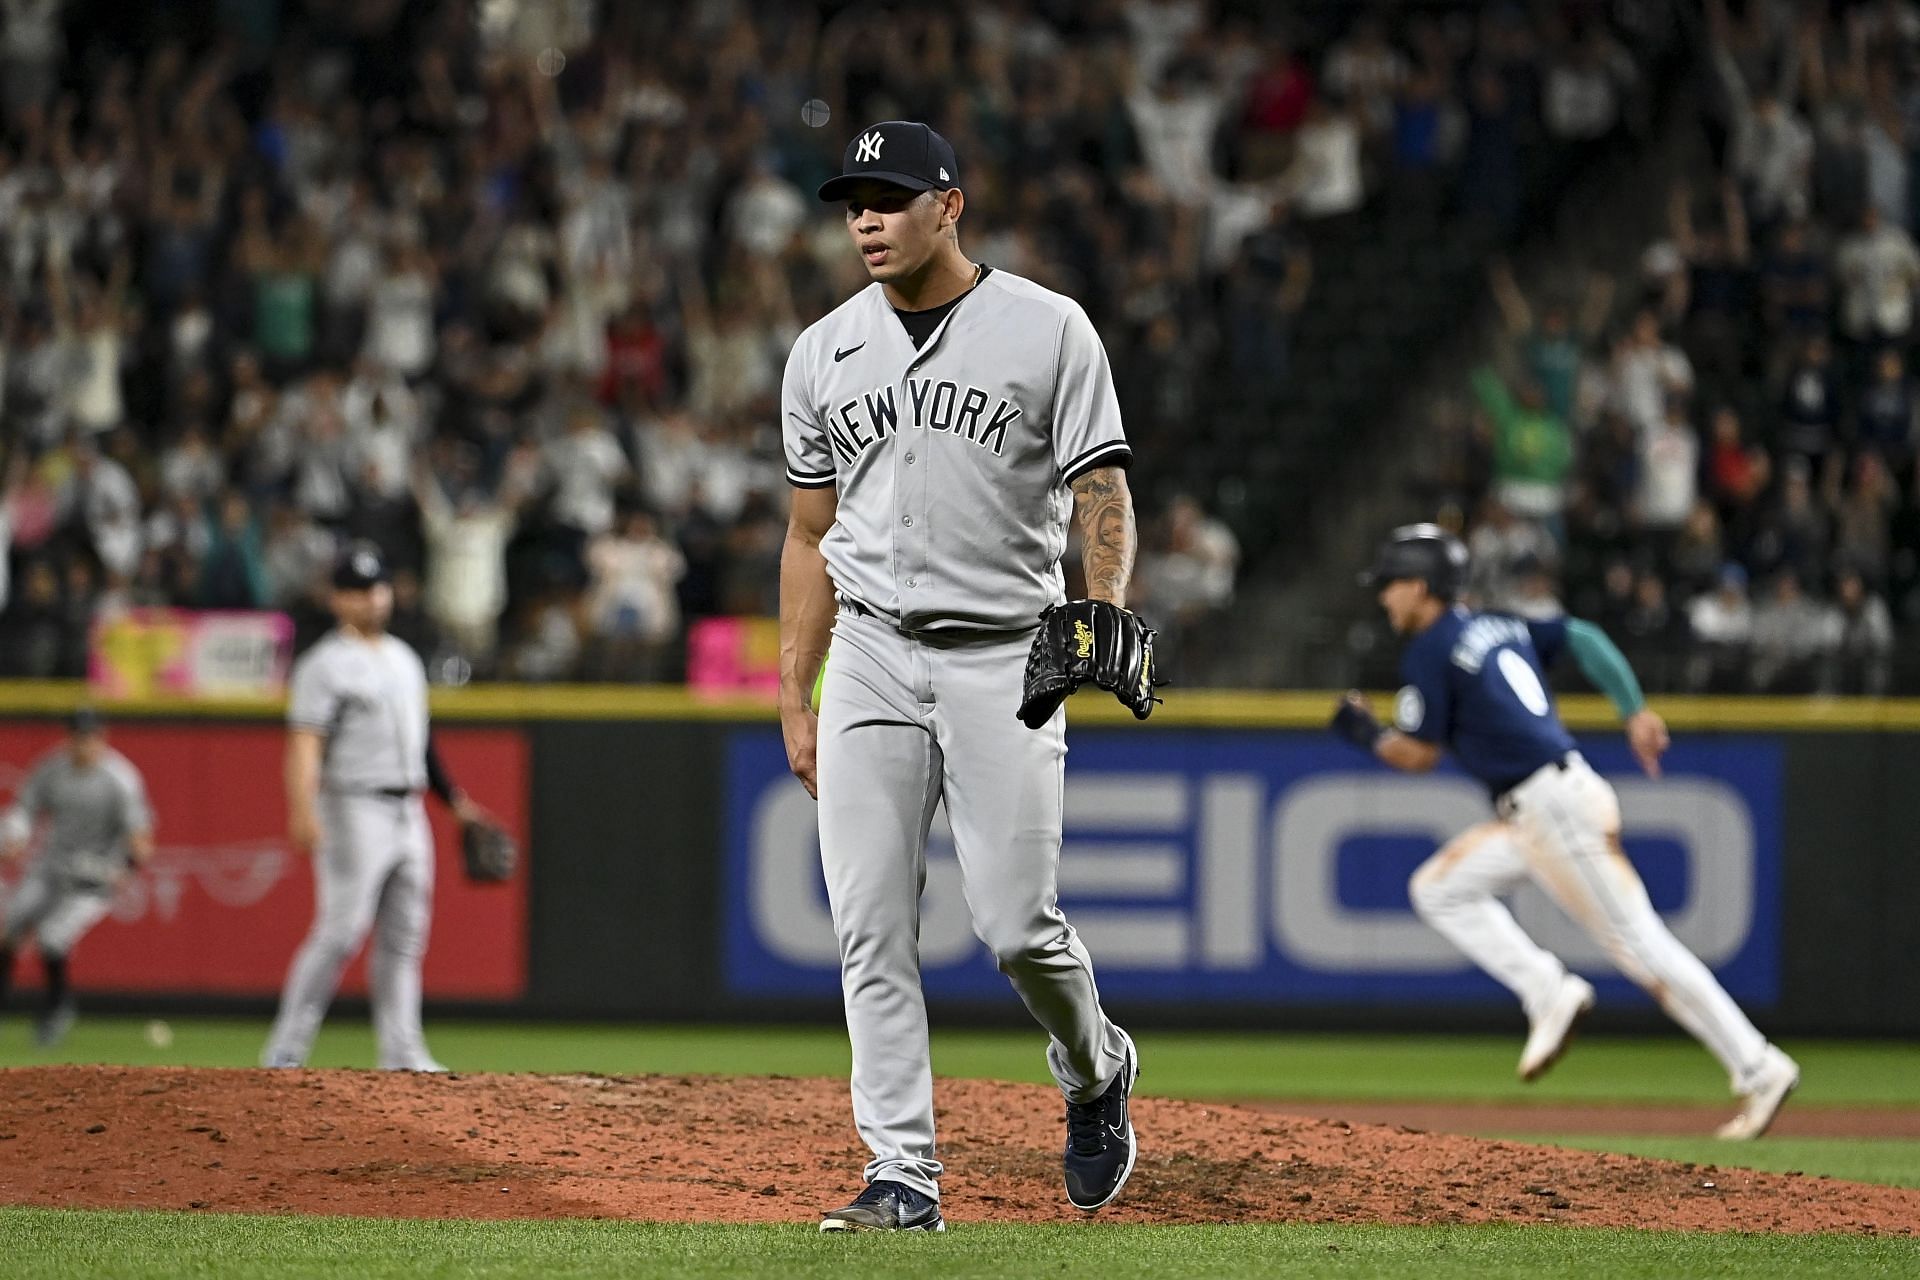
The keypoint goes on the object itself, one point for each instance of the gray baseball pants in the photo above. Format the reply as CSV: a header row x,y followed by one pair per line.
x,y
372,872
55,908
908,720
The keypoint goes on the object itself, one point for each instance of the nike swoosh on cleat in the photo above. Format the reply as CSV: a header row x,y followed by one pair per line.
x,y
838,355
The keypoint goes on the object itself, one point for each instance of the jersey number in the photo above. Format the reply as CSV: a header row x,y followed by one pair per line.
x,y
1524,683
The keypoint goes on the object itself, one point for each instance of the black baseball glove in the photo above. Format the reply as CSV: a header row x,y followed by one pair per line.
x,y
1354,721
489,853
1088,642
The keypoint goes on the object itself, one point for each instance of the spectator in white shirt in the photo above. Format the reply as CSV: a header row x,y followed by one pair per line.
x,y
1866,636
632,604
1878,268
1773,159
1585,88
1326,178
400,331
190,468
1669,471
1647,371
466,586
1723,616
1175,122
1159,29
586,466
1793,637
1195,573
104,498
383,429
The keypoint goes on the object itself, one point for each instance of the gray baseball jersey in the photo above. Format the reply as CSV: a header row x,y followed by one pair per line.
x,y
90,813
370,700
373,868
952,461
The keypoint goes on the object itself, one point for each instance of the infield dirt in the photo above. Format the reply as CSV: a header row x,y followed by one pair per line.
x,y
676,1148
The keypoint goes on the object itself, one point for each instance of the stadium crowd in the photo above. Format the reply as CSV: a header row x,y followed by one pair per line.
x,y
508,287
1718,460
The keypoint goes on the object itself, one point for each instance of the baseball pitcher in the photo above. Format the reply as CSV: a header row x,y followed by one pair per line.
x,y
358,758
99,828
942,427
1475,685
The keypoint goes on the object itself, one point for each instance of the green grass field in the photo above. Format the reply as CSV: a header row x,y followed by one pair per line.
x,y
42,1243
52,1245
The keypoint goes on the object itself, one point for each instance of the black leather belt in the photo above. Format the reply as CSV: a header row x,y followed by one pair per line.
x,y
1503,802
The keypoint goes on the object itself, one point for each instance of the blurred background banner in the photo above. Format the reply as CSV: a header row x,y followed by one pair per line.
x,y
734,655
225,903
218,653
1237,868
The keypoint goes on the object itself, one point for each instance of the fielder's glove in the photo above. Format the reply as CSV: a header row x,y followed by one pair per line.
x,y
489,853
1088,642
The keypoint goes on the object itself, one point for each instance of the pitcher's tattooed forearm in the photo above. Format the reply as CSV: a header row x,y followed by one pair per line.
x,y
1104,508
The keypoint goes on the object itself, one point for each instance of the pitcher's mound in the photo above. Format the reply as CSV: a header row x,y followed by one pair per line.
x,y
779,1149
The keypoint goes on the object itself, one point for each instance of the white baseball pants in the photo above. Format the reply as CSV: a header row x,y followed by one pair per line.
x,y
1561,829
907,721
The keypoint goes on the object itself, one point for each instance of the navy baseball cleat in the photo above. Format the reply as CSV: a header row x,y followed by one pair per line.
x,y
1100,1142
887,1206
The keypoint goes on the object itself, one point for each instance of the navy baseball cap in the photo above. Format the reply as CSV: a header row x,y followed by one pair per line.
x,y
905,153
85,722
359,568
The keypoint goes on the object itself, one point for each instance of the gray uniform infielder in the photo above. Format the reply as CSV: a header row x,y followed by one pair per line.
x,y
952,462
98,826
361,696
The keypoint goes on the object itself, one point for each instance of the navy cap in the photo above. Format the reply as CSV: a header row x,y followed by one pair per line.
x,y
84,723
360,567
905,153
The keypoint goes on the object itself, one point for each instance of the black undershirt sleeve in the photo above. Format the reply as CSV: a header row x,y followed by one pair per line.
x,y
439,781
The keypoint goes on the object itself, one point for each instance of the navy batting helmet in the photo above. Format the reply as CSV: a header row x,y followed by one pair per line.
x,y
1423,551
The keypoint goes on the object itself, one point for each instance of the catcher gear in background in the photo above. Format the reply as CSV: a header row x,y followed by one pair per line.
x,y
1423,551
488,851
1088,641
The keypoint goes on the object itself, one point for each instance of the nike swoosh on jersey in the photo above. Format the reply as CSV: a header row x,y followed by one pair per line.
x,y
838,355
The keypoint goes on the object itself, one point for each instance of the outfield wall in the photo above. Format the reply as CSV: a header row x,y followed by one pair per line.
x,y
1229,864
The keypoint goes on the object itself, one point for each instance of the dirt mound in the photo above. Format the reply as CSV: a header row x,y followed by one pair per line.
x,y
1672,1120
779,1149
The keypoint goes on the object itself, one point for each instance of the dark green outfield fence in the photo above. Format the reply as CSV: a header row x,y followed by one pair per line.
x,y
634,891
1229,864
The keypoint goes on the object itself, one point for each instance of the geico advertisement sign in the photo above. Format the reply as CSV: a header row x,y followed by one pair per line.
x,y
1267,866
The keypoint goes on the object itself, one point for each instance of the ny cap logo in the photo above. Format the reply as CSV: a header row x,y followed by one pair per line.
x,y
366,564
869,149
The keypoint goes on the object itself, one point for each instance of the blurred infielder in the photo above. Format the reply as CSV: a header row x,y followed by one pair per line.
x,y
942,426
1475,686
99,828
358,758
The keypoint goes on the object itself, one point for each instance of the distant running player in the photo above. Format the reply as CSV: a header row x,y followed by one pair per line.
x,y
99,829
1475,686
